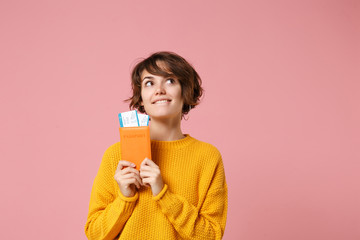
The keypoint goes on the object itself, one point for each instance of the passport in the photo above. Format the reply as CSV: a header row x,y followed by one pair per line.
x,y
135,144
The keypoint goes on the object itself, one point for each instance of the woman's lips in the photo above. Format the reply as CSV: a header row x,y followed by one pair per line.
x,y
161,101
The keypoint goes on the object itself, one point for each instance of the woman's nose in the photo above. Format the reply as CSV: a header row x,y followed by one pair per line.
x,y
160,89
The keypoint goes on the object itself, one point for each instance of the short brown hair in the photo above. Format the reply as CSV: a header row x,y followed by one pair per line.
x,y
171,65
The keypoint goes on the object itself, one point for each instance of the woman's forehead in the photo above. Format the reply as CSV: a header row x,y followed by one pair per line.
x,y
160,68
146,74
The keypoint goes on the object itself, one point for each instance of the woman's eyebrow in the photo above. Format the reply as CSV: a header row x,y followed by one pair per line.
x,y
149,77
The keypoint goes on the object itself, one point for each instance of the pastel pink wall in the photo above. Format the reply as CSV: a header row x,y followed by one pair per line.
x,y
281,104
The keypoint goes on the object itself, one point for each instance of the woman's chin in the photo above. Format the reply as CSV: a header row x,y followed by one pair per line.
x,y
165,116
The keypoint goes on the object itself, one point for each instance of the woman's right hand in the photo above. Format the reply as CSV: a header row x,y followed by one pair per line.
x,y
128,178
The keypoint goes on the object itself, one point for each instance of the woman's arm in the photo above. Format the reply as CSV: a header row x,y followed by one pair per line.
x,y
206,220
109,209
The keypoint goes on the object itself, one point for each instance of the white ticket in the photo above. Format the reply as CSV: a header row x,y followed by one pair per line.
x,y
143,119
128,119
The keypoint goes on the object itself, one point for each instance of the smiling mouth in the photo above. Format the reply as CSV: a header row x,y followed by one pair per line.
x,y
161,101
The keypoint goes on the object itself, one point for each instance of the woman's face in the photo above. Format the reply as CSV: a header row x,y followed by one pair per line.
x,y
161,97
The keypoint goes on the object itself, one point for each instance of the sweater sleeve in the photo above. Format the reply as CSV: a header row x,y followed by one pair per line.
x,y
108,208
205,221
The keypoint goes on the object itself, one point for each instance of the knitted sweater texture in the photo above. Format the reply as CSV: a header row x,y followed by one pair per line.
x,y
192,204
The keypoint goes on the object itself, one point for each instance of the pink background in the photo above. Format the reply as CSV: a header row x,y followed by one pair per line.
x,y
281,104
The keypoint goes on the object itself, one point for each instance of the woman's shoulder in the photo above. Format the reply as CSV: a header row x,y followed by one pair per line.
x,y
113,150
114,146
205,145
207,156
206,148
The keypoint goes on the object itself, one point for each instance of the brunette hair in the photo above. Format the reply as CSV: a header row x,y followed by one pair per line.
x,y
167,64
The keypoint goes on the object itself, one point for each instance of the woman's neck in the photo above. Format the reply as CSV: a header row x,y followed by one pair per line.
x,y
165,130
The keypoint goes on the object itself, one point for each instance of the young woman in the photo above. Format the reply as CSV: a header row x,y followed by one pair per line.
x,y
179,194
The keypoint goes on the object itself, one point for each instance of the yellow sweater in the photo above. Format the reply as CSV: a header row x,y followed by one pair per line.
x,y
192,204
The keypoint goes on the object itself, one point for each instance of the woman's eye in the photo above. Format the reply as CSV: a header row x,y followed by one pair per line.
x,y
170,80
148,84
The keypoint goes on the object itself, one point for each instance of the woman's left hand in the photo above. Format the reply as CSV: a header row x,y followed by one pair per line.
x,y
151,176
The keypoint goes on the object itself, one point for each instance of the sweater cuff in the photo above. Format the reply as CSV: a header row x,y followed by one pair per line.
x,y
161,194
128,199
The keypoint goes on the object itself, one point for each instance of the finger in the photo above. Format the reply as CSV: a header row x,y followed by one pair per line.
x,y
130,178
147,182
146,174
139,182
120,176
124,163
146,168
151,170
132,173
128,182
151,163
128,170
143,163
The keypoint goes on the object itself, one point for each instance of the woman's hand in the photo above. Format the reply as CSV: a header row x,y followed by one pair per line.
x,y
128,178
151,176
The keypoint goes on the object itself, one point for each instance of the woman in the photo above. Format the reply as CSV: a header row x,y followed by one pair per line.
x,y
181,193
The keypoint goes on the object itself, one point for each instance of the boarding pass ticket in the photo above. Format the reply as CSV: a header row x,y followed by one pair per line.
x,y
133,119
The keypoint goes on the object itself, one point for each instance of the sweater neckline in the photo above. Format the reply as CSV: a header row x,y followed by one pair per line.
x,y
173,144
